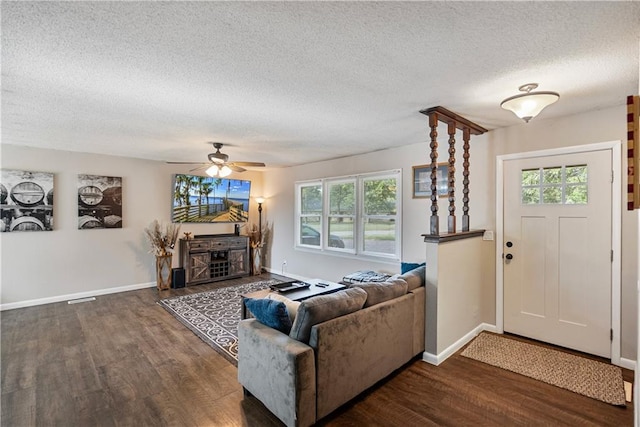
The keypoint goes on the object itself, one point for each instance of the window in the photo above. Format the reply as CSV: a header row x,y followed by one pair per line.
x,y
356,215
342,214
310,214
379,215
555,185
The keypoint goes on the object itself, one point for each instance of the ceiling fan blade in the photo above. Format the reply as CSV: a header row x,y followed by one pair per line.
x,y
206,165
250,164
186,163
234,167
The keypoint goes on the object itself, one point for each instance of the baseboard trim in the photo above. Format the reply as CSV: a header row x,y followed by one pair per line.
x,y
60,298
434,359
627,364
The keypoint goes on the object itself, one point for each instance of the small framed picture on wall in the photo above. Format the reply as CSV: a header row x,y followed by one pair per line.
x,y
422,181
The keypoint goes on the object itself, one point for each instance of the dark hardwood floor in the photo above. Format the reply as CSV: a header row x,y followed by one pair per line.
x,y
123,361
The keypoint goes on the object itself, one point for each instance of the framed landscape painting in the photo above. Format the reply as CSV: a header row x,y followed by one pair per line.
x,y
422,181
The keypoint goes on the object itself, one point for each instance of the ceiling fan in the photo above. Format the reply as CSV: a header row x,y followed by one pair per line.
x,y
218,163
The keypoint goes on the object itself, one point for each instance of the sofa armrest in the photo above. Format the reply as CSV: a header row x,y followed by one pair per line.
x,y
419,307
279,371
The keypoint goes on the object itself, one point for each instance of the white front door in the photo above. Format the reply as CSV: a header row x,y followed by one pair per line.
x,y
557,249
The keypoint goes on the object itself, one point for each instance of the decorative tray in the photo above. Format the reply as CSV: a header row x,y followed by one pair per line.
x,y
289,286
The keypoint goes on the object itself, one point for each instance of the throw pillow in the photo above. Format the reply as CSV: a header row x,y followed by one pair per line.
x,y
270,312
292,306
325,307
414,278
381,292
408,266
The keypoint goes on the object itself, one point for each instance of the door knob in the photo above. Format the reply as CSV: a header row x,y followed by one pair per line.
x,y
509,256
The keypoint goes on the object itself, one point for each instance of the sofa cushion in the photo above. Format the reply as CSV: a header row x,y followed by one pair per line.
x,y
380,292
414,278
408,266
270,312
325,307
292,306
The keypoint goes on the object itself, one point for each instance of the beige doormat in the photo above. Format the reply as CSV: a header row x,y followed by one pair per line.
x,y
581,375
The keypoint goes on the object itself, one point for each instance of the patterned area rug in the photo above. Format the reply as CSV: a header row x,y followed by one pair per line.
x,y
214,315
581,375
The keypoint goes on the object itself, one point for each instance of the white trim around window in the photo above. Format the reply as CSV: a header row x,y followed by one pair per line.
x,y
355,216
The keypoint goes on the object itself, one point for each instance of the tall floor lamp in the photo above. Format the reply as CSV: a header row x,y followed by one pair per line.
x,y
260,201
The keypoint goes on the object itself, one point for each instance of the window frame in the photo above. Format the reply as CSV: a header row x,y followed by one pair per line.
x,y
327,218
300,215
358,218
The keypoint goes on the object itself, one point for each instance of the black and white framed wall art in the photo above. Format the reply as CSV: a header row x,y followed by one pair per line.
x,y
26,201
99,201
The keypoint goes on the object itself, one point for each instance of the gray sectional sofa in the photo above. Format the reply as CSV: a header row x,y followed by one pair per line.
x,y
340,345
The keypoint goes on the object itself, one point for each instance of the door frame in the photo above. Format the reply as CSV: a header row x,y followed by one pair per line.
x,y
616,230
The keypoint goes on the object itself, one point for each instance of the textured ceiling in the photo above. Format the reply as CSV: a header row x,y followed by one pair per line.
x,y
295,82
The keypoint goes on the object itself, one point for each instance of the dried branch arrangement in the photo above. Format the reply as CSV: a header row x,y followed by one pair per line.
x,y
258,238
162,241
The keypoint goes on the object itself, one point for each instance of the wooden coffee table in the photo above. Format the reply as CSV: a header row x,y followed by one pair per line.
x,y
315,289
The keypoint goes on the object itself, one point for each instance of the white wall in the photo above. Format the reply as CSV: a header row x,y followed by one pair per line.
x,y
455,296
47,266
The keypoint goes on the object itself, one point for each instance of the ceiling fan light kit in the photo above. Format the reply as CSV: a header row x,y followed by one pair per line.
x,y
529,104
217,170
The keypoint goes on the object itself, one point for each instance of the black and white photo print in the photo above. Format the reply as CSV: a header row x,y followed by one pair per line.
x,y
26,201
99,202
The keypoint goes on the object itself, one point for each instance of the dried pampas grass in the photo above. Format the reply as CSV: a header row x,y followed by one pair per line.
x,y
162,241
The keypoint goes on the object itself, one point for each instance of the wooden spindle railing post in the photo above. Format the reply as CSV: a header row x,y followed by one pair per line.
x,y
454,121
434,221
451,179
466,136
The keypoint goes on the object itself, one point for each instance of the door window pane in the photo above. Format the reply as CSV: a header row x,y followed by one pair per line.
x,y
531,177
552,195
576,174
552,175
531,196
576,194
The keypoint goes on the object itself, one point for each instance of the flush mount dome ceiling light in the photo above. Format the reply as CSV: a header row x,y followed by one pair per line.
x,y
529,104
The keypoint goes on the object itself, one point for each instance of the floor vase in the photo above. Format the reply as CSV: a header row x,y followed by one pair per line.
x,y
163,272
256,258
